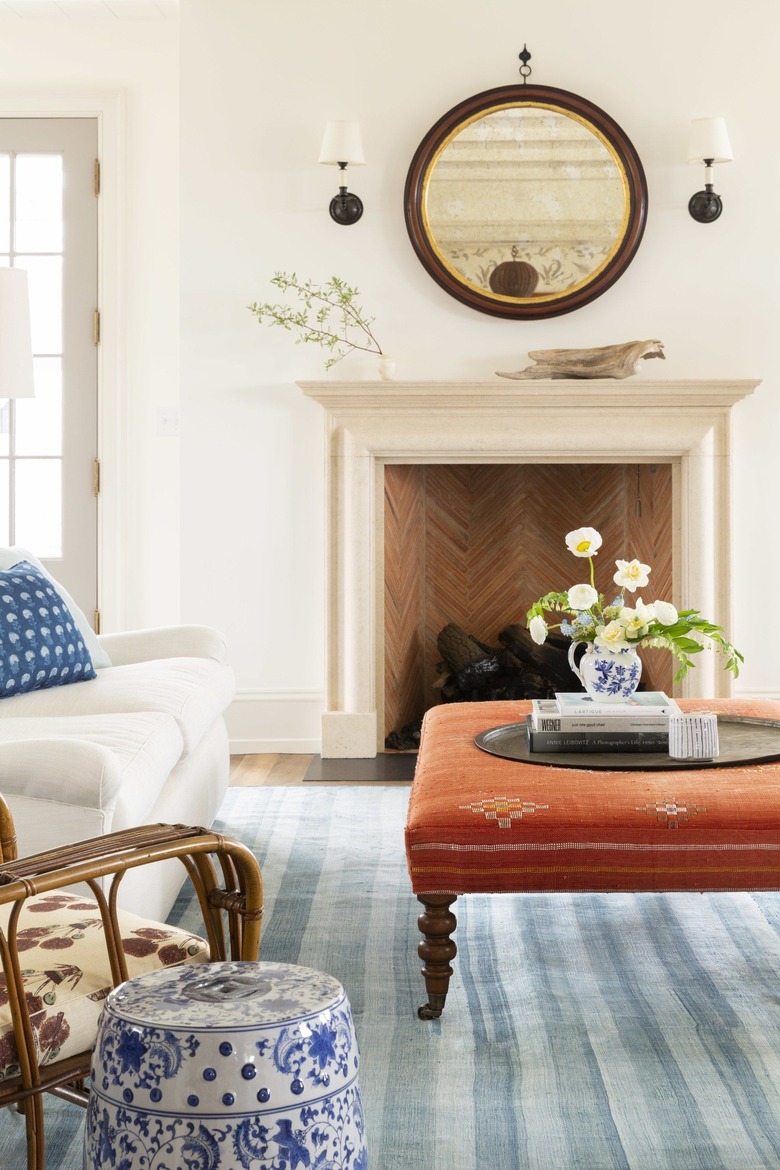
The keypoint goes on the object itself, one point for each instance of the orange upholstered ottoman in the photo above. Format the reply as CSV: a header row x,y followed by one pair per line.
x,y
481,824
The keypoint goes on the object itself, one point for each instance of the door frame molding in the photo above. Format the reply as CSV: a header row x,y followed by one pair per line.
x,y
108,108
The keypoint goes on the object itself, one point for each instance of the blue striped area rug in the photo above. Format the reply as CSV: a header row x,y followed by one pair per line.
x,y
597,1032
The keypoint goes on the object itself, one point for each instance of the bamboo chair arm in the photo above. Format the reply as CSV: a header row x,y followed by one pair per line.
x,y
100,856
112,855
8,850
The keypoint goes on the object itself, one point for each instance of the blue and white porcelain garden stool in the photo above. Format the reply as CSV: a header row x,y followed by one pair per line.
x,y
226,1066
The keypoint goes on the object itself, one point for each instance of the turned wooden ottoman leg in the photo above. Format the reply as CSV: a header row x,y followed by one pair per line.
x,y
437,950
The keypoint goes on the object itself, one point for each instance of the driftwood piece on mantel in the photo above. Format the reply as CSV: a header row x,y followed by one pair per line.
x,y
607,361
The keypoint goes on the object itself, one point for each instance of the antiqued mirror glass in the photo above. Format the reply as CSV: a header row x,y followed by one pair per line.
x,y
526,201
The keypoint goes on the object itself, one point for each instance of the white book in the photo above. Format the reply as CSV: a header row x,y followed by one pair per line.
x,y
582,714
640,703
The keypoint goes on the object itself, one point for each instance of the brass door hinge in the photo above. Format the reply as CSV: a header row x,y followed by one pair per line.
x,y
96,327
97,177
96,621
96,477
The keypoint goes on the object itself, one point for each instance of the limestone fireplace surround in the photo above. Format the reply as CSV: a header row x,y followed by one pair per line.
x,y
370,424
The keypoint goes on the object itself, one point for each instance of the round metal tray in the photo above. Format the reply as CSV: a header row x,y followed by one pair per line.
x,y
743,740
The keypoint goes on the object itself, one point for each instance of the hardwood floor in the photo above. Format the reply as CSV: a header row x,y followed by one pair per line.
x,y
258,771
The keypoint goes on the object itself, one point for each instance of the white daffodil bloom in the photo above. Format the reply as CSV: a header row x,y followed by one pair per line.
x,y
665,613
537,628
582,597
612,637
637,619
631,575
635,623
583,542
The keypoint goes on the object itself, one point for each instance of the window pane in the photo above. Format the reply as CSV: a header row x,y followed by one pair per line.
x,y
44,276
38,203
5,508
5,202
39,419
39,506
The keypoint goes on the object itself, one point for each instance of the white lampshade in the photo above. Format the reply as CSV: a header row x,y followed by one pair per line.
x,y
342,144
709,138
16,363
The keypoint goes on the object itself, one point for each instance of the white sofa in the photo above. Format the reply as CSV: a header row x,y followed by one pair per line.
x,y
144,741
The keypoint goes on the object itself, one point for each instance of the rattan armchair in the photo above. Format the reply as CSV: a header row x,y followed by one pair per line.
x,y
227,879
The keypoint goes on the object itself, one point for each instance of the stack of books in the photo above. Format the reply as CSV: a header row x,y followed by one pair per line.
x,y
573,722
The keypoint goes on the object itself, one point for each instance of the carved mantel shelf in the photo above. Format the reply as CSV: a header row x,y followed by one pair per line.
x,y
686,423
548,392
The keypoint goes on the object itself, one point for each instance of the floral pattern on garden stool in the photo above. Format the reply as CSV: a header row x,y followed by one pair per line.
x,y
235,1066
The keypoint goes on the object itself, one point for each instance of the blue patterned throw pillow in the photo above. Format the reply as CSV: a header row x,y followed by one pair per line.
x,y
40,643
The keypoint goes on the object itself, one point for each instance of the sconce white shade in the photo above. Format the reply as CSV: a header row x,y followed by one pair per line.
x,y
16,363
342,143
709,138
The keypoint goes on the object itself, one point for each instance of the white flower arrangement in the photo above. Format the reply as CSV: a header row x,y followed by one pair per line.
x,y
618,626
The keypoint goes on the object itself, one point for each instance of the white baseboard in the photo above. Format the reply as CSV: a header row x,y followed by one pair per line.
x,y
274,747
272,722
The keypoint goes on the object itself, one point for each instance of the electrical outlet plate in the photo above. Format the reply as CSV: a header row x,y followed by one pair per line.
x,y
168,421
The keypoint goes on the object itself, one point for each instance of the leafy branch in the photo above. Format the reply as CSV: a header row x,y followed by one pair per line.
x,y
329,316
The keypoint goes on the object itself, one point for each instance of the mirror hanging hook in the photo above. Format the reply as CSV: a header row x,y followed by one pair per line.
x,y
525,68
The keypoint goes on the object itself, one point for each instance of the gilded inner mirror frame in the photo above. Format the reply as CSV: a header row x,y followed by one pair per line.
x,y
525,201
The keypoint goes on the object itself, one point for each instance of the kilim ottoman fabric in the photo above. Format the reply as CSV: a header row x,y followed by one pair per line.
x,y
481,824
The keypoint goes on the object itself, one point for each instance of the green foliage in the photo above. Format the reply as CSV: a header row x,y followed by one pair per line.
x,y
329,316
550,601
689,621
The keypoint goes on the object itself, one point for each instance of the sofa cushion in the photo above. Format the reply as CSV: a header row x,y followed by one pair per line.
x,y
40,644
11,556
144,748
193,691
66,971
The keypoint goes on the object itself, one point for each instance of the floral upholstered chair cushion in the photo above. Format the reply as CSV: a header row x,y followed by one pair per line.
x,y
66,971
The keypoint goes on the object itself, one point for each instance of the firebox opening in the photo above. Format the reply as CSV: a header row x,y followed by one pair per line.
x,y
468,547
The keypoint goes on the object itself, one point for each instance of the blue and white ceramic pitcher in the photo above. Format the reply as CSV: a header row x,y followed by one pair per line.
x,y
609,676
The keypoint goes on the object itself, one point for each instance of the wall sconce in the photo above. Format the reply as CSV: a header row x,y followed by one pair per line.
x,y
341,146
708,143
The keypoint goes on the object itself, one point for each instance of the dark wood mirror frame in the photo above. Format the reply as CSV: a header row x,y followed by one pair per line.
x,y
536,305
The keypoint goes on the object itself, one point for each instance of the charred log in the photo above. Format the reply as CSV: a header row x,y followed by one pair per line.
x,y
459,649
407,739
472,671
548,661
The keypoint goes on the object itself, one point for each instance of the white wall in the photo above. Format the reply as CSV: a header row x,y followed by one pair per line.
x,y
258,83
131,66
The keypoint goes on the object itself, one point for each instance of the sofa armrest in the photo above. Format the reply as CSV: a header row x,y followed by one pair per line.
x,y
58,789
61,770
164,642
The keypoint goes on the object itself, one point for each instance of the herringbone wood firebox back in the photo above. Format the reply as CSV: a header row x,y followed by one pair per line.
x,y
475,544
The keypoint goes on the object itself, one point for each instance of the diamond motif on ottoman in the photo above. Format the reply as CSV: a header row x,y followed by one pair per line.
x,y
673,812
503,809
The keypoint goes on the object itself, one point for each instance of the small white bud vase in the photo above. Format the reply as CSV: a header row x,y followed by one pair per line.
x,y
608,676
386,367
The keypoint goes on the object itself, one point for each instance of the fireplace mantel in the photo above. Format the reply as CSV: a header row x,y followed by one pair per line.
x,y
368,424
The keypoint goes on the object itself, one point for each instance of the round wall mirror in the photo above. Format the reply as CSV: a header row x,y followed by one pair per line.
x,y
525,201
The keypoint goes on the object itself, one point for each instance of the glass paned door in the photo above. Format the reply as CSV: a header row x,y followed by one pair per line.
x,y
48,444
